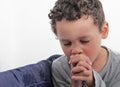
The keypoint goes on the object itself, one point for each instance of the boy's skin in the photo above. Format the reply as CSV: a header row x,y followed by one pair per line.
x,y
81,42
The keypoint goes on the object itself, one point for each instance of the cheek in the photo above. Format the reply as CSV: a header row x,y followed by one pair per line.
x,y
92,52
66,51
93,49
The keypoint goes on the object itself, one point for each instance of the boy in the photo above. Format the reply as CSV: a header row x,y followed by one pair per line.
x,y
80,27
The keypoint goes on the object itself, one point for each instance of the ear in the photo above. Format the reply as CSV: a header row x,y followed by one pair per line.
x,y
105,30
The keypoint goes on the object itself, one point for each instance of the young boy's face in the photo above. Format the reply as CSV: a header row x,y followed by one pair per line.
x,y
81,36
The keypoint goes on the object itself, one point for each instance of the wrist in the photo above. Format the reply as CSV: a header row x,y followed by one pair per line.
x,y
76,83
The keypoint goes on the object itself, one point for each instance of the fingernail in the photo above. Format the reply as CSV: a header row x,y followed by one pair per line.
x,y
69,62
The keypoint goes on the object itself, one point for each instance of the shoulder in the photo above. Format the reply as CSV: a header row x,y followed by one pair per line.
x,y
112,69
62,60
60,64
114,56
114,62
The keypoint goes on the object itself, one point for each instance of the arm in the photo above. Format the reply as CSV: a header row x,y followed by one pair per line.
x,y
81,69
61,72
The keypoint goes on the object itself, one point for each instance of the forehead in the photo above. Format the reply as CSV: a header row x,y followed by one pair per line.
x,y
77,28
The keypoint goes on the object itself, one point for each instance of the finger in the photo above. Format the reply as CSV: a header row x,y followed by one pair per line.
x,y
82,76
78,59
85,59
84,64
74,59
77,69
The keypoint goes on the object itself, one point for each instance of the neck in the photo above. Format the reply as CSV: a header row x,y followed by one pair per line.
x,y
101,61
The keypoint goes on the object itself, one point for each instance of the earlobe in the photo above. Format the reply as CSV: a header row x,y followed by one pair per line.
x,y
105,30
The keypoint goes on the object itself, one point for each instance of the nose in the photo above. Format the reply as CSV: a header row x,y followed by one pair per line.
x,y
76,49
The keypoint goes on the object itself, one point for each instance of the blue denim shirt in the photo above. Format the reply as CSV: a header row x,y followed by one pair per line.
x,y
34,75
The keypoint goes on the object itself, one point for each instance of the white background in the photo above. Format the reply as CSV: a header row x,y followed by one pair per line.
x,y
26,36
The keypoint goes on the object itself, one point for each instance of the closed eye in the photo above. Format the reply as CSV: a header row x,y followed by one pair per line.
x,y
67,44
84,41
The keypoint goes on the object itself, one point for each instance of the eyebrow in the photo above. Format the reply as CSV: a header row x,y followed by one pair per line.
x,y
82,37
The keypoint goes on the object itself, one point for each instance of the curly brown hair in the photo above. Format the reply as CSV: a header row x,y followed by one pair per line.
x,y
75,9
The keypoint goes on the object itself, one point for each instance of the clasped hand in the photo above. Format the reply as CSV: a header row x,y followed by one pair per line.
x,y
81,70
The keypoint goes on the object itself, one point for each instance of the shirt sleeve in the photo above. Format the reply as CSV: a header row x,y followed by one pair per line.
x,y
61,74
98,80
